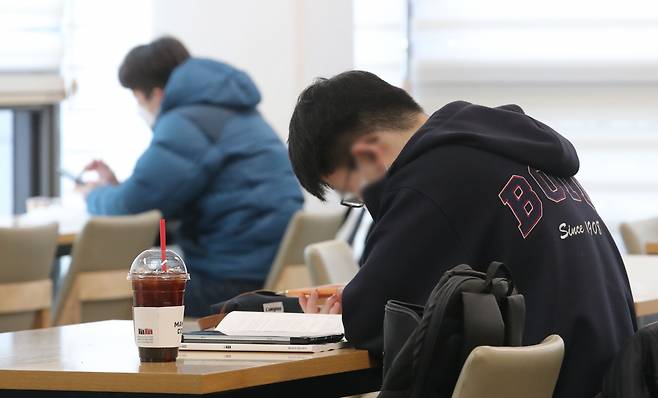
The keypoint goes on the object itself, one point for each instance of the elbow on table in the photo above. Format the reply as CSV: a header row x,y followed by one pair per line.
x,y
363,324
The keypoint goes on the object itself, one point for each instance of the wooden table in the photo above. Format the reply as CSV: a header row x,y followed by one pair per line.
x,y
101,357
642,273
651,248
66,239
70,220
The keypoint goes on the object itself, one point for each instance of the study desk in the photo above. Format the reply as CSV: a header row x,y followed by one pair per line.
x,y
100,359
70,221
651,248
642,271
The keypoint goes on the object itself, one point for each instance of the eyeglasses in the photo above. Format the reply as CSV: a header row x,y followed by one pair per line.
x,y
347,199
351,201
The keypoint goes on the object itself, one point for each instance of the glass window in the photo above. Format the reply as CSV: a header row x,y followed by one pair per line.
x,y
587,68
100,121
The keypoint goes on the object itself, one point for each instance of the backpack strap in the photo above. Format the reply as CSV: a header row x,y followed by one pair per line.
x,y
514,318
513,306
496,268
483,322
429,328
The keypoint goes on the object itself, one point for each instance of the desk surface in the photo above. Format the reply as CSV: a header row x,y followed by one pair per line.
x,y
66,239
70,220
643,277
102,356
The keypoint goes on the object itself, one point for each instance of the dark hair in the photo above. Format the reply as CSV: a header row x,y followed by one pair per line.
x,y
331,113
148,66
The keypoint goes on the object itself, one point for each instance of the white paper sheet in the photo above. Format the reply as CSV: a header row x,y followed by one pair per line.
x,y
242,323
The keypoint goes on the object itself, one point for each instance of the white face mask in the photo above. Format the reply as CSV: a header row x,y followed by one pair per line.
x,y
148,117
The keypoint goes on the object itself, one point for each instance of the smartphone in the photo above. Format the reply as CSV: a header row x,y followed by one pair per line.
x,y
77,179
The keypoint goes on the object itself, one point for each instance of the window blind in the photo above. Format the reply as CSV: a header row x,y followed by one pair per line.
x,y
30,52
517,40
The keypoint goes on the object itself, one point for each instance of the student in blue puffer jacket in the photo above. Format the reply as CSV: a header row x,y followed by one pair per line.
x,y
214,164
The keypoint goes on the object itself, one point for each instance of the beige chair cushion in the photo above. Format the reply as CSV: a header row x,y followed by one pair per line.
x,y
95,288
511,372
303,229
28,254
330,262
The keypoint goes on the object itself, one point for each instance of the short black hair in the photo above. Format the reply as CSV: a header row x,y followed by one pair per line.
x,y
331,113
148,66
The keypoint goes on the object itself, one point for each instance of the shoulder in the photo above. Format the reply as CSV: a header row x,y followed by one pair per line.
x,y
451,172
177,133
447,163
171,121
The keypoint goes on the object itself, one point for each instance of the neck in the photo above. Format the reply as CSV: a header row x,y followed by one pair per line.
x,y
404,136
419,121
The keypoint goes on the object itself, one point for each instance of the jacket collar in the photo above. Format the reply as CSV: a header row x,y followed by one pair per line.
x,y
372,195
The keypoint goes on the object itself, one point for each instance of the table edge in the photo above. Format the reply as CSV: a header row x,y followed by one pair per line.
x,y
204,383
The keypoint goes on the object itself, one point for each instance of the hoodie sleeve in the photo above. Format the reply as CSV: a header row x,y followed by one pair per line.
x,y
166,176
409,244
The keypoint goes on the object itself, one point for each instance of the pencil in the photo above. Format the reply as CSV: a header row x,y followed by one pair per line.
x,y
323,291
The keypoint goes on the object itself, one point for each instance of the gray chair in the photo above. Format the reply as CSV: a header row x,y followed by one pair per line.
x,y
289,269
95,287
637,234
28,254
330,262
511,372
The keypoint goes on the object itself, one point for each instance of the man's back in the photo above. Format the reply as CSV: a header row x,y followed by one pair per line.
x,y
233,228
217,165
561,254
460,194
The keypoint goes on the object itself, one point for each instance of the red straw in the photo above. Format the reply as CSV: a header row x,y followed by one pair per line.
x,y
163,244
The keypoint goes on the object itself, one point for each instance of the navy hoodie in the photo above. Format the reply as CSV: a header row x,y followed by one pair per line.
x,y
478,184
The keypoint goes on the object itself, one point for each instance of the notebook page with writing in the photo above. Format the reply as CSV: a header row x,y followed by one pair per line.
x,y
243,323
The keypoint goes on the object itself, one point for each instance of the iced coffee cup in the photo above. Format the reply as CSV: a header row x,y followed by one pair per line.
x,y
158,280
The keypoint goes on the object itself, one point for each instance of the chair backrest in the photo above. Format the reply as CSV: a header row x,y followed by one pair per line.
x,y
95,287
637,234
330,262
28,254
289,269
512,372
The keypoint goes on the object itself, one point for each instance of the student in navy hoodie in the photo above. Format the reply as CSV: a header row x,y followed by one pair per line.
x,y
468,184
214,164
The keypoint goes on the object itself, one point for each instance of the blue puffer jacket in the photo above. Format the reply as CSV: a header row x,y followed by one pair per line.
x,y
215,164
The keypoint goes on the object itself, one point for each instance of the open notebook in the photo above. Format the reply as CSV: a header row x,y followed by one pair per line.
x,y
267,331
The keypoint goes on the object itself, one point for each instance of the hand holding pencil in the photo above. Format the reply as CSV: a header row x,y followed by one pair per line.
x,y
309,297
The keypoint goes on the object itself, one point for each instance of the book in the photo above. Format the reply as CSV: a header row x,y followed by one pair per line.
x,y
288,324
208,357
214,336
269,332
246,347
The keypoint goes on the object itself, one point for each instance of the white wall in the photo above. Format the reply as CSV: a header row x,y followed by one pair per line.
x,y
282,44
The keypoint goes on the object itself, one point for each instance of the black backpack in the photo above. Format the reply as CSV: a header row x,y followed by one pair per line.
x,y
634,371
425,347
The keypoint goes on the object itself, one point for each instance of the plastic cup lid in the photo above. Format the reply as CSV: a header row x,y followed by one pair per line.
x,y
149,264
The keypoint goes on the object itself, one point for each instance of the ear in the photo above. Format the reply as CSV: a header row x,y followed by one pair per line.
x,y
368,149
157,93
